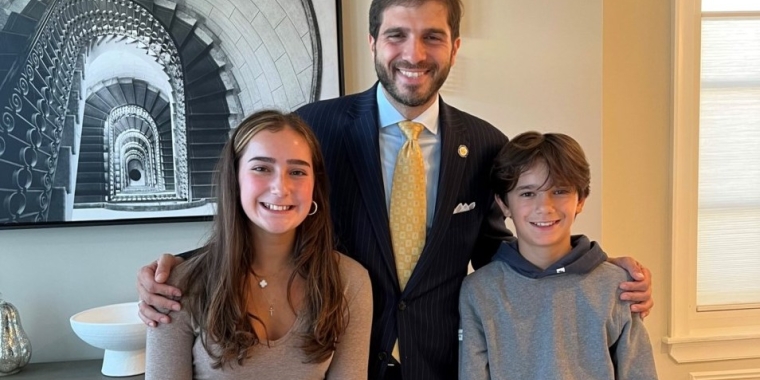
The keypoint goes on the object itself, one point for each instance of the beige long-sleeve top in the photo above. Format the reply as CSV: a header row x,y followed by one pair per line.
x,y
175,352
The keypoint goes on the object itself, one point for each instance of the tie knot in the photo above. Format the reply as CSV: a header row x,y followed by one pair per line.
x,y
411,129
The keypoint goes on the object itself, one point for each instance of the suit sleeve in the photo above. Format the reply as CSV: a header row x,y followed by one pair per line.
x,y
633,356
473,350
493,231
169,349
351,357
188,254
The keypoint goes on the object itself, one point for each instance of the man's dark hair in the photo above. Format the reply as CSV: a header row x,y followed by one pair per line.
x,y
376,9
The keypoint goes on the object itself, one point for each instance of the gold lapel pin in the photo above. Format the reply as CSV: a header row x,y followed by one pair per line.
x,y
463,151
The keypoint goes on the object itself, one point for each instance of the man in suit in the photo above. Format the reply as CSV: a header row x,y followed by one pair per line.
x,y
414,332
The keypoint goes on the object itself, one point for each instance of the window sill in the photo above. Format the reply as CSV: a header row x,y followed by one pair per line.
x,y
690,349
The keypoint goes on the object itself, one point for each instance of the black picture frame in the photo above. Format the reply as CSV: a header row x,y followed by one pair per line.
x,y
114,111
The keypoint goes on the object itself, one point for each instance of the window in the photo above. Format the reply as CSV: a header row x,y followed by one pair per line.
x,y
729,156
716,172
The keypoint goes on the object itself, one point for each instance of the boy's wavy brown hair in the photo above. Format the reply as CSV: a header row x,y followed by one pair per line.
x,y
563,156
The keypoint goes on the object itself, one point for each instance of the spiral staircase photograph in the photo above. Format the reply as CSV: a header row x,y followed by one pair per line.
x,y
118,109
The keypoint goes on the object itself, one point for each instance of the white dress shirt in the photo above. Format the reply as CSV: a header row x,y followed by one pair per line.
x,y
391,139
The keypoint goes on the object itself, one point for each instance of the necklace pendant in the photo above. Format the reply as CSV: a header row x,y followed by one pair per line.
x,y
271,310
263,284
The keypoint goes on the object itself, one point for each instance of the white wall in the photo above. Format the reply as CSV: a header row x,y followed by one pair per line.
x,y
523,65
536,66
50,274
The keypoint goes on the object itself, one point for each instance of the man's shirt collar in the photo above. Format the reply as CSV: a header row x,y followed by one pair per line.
x,y
389,115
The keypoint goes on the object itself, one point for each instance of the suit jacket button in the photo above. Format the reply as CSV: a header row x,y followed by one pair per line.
x,y
402,305
382,356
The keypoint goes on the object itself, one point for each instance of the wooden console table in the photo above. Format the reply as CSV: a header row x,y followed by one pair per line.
x,y
76,370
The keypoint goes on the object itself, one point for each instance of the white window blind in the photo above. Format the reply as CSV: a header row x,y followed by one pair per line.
x,y
729,5
728,264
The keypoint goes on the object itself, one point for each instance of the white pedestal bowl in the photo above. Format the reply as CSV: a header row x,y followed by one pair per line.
x,y
119,331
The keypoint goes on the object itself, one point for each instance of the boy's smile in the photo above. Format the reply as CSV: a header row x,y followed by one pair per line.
x,y
543,214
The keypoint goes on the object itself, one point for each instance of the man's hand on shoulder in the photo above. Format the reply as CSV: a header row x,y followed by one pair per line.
x,y
155,293
638,291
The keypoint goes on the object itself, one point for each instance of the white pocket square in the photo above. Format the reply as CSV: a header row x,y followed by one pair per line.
x,y
464,207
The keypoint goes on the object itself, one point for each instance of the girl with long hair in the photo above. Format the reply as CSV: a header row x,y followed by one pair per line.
x,y
267,296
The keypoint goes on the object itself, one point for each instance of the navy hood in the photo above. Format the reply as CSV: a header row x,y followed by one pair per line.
x,y
585,256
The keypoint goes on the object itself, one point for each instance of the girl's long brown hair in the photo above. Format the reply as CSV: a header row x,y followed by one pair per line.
x,y
216,284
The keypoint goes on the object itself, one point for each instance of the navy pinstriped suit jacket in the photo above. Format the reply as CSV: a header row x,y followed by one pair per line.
x,y
425,316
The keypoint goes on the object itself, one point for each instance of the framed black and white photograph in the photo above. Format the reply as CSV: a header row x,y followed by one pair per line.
x,y
115,111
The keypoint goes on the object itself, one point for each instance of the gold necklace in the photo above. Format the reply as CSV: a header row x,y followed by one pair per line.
x,y
262,282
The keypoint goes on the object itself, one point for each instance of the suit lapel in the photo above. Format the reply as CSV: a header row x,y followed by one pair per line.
x,y
453,135
362,145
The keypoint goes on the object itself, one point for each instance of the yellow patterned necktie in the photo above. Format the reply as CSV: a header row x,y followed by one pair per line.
x,y
408,203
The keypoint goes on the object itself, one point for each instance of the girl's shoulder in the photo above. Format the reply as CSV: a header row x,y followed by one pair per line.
x,y
348,264
352,273
181,271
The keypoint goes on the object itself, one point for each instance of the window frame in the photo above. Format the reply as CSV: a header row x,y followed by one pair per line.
x,y
695,336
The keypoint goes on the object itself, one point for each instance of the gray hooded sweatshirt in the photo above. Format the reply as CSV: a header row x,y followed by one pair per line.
x,y
566,322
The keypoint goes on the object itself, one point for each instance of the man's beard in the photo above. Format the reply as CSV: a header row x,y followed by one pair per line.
x,y
411,98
